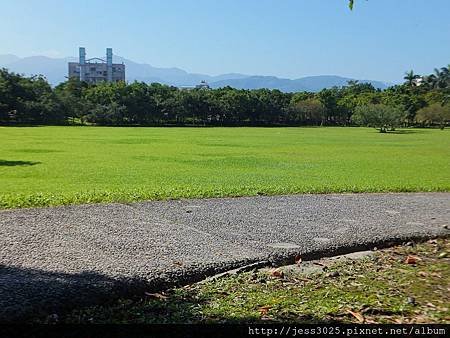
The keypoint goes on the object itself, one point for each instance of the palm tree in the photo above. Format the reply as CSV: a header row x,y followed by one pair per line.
x,y
445,75
438,75
432,81
410,78
440,80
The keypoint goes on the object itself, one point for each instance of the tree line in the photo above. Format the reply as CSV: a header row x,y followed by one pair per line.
x,y
421,100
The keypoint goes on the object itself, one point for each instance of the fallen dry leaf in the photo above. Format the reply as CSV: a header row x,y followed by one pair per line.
x,y
156,295
420,319
277,273
422,274
264,310
411,259
302,280
357,315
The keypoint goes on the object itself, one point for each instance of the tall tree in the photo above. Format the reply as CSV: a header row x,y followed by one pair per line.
x,y
378,116
410,78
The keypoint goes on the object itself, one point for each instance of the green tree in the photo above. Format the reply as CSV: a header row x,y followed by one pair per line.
x,y
410,78
308,111
435,113
106,114
378,116
71,98
28,100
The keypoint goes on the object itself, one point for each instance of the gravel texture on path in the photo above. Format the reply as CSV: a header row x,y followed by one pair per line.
x,y
52,259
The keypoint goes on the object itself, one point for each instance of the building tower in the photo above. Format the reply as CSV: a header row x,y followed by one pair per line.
x,y
109,69
82,63
96,70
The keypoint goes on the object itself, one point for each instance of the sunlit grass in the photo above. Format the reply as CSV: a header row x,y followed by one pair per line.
x,y
42,166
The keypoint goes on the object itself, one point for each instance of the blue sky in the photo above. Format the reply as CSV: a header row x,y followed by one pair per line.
x,y
380,39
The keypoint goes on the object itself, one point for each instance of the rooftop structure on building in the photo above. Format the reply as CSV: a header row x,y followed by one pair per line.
x,y
97,70
202,85
419,81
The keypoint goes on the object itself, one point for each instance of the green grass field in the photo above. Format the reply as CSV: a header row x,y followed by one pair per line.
x,y
41,166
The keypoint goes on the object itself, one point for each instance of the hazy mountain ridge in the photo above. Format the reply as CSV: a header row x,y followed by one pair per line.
x,y
309,83
55,70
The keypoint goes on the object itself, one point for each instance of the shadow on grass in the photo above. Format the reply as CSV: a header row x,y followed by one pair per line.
x,y
20,125
35,295
6,163
406,131
183,307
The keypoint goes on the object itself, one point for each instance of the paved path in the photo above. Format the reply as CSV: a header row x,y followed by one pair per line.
x,y
52,258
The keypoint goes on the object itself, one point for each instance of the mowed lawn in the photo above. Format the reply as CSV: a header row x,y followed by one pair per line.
x,y
42,166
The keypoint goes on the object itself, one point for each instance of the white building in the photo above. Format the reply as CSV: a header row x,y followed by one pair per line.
x,y
97,70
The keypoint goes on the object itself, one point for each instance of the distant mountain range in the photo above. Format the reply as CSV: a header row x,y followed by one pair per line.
x,y
55,70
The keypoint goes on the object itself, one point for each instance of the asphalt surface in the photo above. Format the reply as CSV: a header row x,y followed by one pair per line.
x,y
52,259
